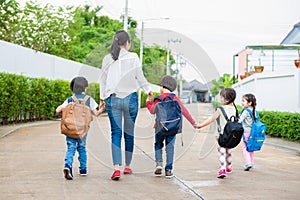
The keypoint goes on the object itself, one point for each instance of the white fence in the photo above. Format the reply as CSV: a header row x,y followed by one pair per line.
x,y
274,91
16,59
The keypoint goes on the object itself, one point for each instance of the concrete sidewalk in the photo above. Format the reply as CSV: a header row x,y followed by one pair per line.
x,y
32,157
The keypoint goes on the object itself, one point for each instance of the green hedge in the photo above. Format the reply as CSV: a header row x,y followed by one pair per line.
x,y
279,124
23,98
27,99
282,124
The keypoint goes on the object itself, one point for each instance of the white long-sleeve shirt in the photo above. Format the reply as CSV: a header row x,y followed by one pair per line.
x,y
123,76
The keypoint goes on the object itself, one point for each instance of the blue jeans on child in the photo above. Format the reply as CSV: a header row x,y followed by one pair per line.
x,y
80,146
117,109
169,143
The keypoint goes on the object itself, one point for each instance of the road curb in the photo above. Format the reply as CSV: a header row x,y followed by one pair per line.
x,y
9,129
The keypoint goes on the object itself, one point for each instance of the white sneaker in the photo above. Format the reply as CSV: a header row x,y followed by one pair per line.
x,y
158,169
248,167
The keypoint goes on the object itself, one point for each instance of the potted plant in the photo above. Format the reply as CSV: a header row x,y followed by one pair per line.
x,y
259,69
242,76
297,61
247,74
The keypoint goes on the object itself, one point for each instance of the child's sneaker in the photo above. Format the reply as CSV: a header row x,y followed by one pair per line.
x,y
247,167
229,170
68,173
82,172
158,169
168,173
222,173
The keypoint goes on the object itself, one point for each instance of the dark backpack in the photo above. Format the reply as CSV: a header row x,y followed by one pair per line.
x,y
232,133
257,133
168,116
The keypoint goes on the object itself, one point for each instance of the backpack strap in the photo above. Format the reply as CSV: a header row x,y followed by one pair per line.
x,y
226,117
218,119
224,113
159,98
85,99
74,98
170,97
251,114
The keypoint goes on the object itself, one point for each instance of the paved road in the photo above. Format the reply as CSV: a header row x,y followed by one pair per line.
x,y
32,158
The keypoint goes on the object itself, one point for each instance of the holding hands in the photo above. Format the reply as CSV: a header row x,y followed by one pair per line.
x,y
101,108
150,96
198,126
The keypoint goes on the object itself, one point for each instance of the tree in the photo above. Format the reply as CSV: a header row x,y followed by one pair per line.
x,y
90,35
9,12
224,82
80,34
39,28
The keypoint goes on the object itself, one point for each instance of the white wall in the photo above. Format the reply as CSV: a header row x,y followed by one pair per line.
x,y
16,59
274,91
20,60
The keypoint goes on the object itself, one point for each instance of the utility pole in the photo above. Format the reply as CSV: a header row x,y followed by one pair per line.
x,y
141,57
182,63
142,47
125,23
168,53
168,60
141,44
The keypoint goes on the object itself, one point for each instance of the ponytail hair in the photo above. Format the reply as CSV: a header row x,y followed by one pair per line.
x,y
250,98
228,94
120,39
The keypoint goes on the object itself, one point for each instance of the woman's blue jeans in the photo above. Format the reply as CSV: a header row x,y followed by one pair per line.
x,y
80,146
119,109
169,143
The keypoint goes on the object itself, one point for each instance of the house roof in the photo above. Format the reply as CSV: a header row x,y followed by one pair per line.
x,y
196,86
293,36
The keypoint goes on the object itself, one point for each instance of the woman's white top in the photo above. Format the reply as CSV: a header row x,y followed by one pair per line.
x,y
123,76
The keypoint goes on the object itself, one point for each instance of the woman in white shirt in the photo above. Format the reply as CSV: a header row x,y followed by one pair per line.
x,y
121,76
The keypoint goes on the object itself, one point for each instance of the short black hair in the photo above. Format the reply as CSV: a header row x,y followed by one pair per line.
x,y
78,84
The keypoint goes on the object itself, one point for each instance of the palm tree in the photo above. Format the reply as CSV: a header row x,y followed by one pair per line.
x,y
226,81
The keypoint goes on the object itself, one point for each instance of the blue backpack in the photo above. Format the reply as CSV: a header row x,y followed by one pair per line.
x,y
257,133
168,117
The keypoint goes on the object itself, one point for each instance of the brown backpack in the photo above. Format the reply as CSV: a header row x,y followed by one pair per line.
x,y
76,118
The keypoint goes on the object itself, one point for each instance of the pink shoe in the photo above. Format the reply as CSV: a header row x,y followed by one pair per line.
x,y
222,173
229,170
116,175
127,171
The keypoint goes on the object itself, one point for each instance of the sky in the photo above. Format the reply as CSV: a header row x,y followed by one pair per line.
x,y
221,28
